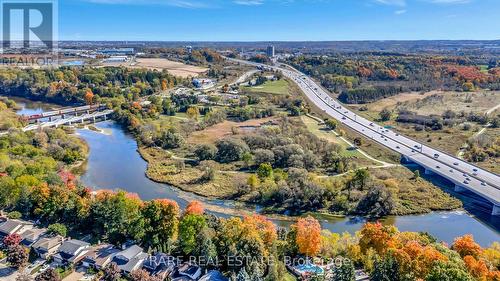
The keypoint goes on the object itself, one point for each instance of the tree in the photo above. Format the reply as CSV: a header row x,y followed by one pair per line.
x,y
448,271
189,227
57,229
205,152
17,256
12,240
385,115
308,236
416,174
161,223
15,215
139,275
361,176
231,150
89,96
344,272
331,124
193,113
385,269
265,171
242,275
261,156
51,275
194,208
111,272
466,246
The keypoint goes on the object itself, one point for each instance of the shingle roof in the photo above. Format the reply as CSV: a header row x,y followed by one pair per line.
x,y
10,226
47,243
71,247
213,275
32,235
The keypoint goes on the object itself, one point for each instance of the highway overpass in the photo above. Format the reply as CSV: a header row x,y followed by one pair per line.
x,y
464,175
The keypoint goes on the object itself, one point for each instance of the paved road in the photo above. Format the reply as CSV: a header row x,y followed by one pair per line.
x,y
464,175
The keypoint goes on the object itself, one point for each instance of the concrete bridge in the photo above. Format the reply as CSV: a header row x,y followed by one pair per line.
x,y
51,115
69,120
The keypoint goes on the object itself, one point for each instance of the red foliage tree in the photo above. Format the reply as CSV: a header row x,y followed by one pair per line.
x,y
194,208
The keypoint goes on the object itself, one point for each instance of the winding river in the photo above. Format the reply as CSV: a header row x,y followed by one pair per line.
x,y
115,163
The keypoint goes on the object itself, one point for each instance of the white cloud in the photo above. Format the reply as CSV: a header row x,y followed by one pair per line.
x,y
400,12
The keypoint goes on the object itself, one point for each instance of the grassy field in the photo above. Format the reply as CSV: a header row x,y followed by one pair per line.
x,y
492,164
173,67
279,87
322,132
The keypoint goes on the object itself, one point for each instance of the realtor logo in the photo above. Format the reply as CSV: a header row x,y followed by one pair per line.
x,y
28,25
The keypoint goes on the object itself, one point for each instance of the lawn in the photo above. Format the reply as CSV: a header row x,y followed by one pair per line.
x,y
279,87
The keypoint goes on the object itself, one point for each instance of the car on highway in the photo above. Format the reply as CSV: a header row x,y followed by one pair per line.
x,y
466,182
371,124
483,183
436,155
456,164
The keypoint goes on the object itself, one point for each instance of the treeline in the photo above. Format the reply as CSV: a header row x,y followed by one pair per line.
x,y
365,77
70,85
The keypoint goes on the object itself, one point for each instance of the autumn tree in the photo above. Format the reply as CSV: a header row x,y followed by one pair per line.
x,y
466,246
376,236
17,256
194,208
193,113
89,96
12,240
308,236
448,271
161,223
51,275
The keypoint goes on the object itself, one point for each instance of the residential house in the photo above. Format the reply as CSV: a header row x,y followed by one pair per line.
x,y
32,235
46,247
213,275
100,256
186,271
130,259
14,227
160,265
71,252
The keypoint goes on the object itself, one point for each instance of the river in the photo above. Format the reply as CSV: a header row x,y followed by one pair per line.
x,y
115,163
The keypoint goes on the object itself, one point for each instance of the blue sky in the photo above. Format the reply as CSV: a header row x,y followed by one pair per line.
x,y
278,20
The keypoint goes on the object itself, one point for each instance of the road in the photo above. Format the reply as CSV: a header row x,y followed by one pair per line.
x,y
464,175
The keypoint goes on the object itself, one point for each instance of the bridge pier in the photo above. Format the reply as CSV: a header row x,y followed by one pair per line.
x,y
459,188
496,210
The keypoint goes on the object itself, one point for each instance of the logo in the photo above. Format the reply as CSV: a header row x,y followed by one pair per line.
x,y
28,32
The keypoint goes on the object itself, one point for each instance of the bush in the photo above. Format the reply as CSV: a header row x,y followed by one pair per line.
x,y
231,150
57,229
14,215
206,152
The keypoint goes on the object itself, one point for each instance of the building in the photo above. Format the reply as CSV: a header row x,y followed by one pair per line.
x,y
130,259
47,246
71,252
31,236
270,51
203,83
160,265
115,59
10,227
186,272
213,275
118,52
99,256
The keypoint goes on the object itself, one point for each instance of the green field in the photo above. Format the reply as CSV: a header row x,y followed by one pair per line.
x,y
279,87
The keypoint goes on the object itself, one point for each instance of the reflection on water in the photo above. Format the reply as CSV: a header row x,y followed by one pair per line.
x,y
27,107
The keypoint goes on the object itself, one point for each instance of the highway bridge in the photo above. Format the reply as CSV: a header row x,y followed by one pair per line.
x,y
464,175
70,120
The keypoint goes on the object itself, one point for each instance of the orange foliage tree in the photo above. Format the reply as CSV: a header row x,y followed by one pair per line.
x,y
194,208
376,236
466,246
89,96
264,227
308,237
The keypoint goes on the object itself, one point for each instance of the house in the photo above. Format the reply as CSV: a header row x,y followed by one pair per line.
x,y
100,256
46,247
160,265
130,259
186,272
213,275
14,227
71,252
203,83
32,235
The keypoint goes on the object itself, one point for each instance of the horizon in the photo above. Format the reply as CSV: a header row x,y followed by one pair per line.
x,y
277,20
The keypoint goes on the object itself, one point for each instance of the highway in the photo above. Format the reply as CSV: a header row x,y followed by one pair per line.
x,y
464,175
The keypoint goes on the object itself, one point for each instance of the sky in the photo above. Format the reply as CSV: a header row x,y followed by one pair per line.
x,y
278,20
